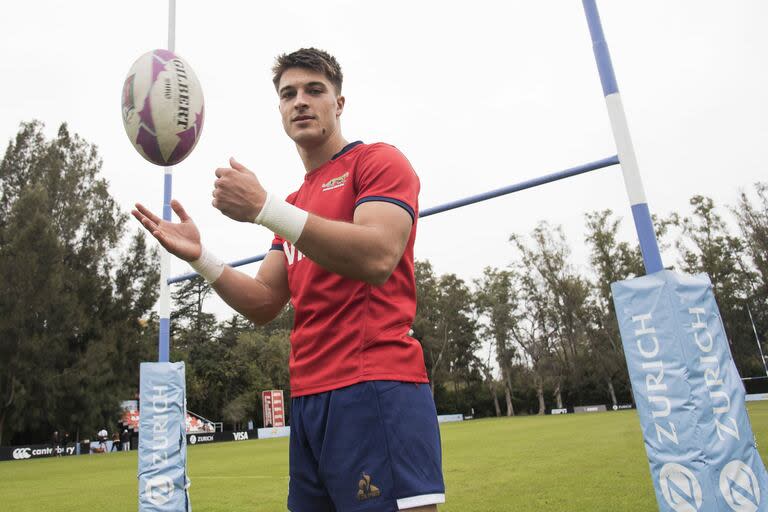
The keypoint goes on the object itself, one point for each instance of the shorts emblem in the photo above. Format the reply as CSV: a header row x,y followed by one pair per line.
x,y
366,489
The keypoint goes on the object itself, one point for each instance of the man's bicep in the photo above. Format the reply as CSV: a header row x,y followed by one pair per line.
x,y
393,222
274,276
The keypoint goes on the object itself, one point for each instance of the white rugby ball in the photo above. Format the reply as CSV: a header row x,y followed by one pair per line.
x,y
162,107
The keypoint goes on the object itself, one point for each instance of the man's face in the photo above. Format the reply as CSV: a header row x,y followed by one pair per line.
x,y
309,106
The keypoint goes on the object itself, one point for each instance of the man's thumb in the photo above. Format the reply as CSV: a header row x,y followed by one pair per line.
x,y
236,165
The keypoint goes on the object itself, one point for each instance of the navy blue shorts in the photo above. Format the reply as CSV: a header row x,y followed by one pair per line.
x,y
373,446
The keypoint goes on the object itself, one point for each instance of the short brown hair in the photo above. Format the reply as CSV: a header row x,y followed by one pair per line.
x,y
312,59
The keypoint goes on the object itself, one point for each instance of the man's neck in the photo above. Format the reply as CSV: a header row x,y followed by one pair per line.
x,y
314,157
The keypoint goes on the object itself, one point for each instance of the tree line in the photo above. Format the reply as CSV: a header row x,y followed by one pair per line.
x,y
77,290
542,332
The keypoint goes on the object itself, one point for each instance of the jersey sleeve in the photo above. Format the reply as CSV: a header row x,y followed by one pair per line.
x,y
384,174
277,243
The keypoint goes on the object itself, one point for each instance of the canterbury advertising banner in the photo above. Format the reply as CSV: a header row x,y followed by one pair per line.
x,y
163,478
689,395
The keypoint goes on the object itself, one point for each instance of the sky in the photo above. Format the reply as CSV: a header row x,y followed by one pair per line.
x,y
478,95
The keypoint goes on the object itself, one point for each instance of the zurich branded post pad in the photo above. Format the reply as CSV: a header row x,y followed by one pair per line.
x,y
163,480
689,395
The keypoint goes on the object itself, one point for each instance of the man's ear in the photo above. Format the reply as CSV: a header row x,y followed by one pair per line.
x,y
340,100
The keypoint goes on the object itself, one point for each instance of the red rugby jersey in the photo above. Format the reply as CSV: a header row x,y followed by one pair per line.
x,y
346,331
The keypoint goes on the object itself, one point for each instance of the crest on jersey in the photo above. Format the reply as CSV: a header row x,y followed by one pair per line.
x,y
335,182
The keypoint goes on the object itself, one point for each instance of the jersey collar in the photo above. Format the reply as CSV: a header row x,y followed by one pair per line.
x,y
346,149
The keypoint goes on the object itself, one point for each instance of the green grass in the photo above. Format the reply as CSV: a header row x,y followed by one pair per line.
x,y
592,462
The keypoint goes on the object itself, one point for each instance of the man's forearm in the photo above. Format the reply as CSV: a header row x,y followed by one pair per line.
x,y
249,296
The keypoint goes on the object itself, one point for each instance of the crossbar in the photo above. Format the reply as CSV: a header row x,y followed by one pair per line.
x,y
477,198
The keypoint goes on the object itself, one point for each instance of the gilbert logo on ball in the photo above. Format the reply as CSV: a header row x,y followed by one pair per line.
x,y
162,107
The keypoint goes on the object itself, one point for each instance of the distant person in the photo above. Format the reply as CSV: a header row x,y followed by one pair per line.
x,y
115,442
64,442
125,439
55,442
102,435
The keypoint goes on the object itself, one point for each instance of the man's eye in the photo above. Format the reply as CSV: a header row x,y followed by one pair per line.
x,y
287,94
315,91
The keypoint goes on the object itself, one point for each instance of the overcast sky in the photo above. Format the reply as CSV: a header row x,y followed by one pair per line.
x,y
478,95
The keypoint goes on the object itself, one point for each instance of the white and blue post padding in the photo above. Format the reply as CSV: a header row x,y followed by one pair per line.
x,y
689,396
163,481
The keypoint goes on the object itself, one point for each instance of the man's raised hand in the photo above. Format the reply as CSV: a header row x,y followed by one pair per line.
x,y
182,239
237,192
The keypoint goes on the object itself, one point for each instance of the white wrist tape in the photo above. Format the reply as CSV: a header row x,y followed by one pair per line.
x,y
208,266
283,218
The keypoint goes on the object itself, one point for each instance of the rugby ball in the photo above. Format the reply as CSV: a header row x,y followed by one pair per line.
x,y
162,107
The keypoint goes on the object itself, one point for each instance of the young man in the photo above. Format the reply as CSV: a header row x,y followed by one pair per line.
x,y
364,432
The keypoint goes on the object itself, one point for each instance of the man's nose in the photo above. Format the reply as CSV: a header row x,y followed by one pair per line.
x,y
301,100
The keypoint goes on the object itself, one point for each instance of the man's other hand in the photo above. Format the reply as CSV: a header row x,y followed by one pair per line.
x,y
182,239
